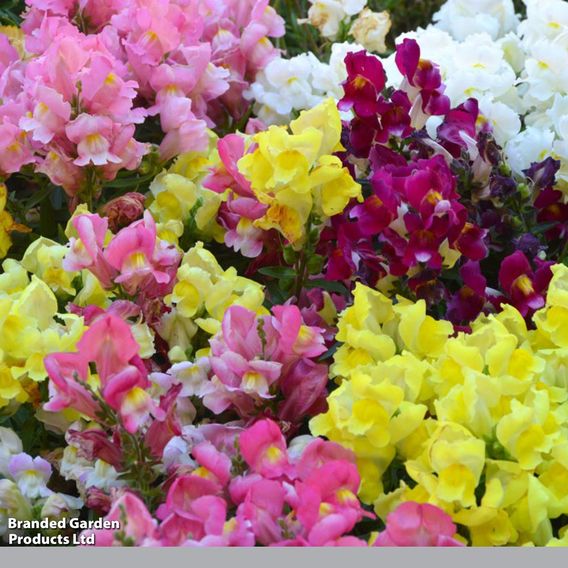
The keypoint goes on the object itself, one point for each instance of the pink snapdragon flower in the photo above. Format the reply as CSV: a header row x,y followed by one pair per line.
x,y
237,216
418,524
123,379
304,495
100,344
15,150
142,260
49,117
134,258
203,522
238,213
329,491
256,358
86,250
264,449
261,502
8,53
136,523
92,134
183,131
76,102
226,175
68,373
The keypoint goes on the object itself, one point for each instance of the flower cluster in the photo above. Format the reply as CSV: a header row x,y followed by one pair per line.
x,y
294,175
24,494
30,328
333,18
513,67
290,294
298,83
69,110
304,495
475,421
202,294
91,73
258,364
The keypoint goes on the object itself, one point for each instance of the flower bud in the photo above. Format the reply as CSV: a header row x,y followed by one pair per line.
x,y
370,30
124,210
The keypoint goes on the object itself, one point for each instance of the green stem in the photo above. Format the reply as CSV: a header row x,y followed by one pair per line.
x,y
302,262
300,274
91,188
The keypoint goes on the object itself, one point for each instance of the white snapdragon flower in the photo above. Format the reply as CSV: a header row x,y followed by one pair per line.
x,y
328,15
59,505
193,376
462,18
558,115
530,145
504,121
513,51
546,71
477,69
72,466
103,476
299,83
282,86
30,474
12,504
546,19
176,453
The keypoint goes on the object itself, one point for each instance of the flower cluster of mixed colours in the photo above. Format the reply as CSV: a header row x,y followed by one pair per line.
x,y
256,291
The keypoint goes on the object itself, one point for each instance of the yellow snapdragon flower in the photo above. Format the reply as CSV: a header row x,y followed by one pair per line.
x,y
201,295
7,223
30,328
177,198
294,173
44,258
475,423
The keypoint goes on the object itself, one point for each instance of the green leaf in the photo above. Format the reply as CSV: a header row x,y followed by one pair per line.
x,y
329,353
284,272
328,285
543,227
275,295
122,183
38,197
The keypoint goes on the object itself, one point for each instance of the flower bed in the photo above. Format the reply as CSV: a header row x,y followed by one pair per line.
x,y
269,288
